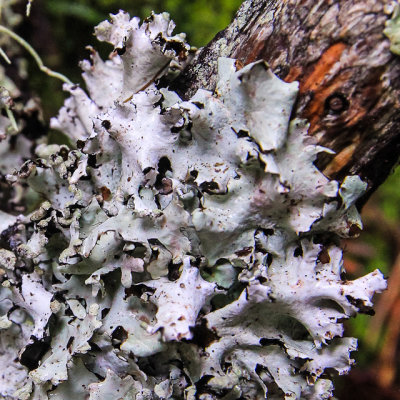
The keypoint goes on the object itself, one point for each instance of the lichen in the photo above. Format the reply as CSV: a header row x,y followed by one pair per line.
x,y
392,29
183,249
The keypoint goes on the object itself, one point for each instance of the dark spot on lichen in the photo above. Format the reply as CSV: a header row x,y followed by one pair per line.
x,y
298,252
64,153
198,105
323,256
147,170
34,352
164,165
202,335
92,160
269,259
70,342
137,290
119,336
241,133
354,230
359,304
104,312
94,347
174,271
209,187
244,252
269,342
106,193
106,124
121,50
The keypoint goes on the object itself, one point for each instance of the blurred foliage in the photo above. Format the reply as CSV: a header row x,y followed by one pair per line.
x,y
389,197
379,247
200,19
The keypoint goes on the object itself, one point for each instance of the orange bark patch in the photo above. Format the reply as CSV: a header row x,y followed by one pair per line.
x,y
317,83
340,160
293,74
316,108
322,68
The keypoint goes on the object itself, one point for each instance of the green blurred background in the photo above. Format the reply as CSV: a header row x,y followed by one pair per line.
x,y
61,29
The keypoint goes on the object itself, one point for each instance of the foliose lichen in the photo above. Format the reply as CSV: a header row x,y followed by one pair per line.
x,y
182,249
392,29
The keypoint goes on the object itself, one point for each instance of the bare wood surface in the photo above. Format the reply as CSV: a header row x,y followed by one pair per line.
x,y
349,79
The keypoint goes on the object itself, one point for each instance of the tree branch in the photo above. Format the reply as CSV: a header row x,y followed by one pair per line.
x,y
349,79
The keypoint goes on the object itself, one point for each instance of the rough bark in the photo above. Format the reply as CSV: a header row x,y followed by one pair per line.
x,y
349,79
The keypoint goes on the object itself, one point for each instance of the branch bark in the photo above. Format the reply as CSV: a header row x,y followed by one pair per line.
x,y
349,79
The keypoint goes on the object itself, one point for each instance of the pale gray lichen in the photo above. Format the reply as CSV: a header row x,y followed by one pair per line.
x,y
392,27
184,249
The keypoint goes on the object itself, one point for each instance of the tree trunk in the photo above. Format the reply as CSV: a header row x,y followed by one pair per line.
x,y
349,79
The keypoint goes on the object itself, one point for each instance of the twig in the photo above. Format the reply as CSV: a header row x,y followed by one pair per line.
x,y
28,8
11,117
35,55
4,55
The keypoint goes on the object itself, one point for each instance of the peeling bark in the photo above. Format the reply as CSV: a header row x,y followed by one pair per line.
x,y
349,79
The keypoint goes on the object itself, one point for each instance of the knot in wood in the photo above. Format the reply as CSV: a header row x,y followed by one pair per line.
x,y
336,103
